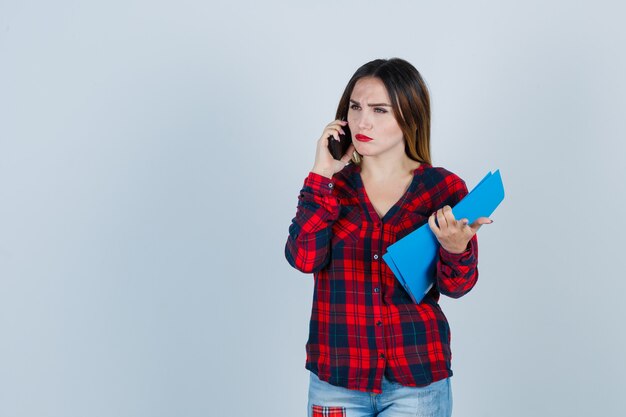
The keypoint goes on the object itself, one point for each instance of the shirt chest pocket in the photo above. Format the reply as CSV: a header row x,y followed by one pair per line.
x,y
409,222
347,229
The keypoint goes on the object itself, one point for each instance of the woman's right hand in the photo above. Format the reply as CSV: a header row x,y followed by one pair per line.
x,y
325,164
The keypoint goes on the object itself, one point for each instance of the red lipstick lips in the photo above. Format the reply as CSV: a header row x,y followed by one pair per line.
x,y
362,138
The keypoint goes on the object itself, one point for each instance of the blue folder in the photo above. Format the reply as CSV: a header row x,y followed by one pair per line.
x,y
413,258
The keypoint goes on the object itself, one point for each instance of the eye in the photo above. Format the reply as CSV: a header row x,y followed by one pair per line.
x,y
354,107
380,110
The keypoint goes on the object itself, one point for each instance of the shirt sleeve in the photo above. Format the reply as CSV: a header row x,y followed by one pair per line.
x,y
308,244
457,273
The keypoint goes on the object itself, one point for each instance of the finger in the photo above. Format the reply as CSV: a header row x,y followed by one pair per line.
x,y
441,219
324,141
447,213
479,222
433,225
332,131
336,126
322,148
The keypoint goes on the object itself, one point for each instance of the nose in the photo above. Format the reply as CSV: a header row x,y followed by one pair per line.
x,y
364,122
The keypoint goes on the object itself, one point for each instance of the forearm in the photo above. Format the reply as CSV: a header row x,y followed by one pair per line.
x,y
308,245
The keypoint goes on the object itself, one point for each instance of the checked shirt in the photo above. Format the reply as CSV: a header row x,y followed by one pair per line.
x,y
363,323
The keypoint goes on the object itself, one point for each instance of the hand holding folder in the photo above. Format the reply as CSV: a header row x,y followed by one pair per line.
x,y
413,259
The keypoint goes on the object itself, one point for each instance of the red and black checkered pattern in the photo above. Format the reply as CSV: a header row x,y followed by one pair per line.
x,y
325,411
363,323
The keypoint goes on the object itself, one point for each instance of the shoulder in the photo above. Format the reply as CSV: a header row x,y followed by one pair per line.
x,y
441,186
441,178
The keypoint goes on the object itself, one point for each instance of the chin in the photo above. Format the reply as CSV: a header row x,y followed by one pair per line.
x,y
364,150
368,151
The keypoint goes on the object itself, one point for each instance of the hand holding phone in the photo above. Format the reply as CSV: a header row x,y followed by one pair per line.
x,y
338,148
334,149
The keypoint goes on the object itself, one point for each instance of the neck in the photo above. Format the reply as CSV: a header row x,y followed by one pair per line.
x,y
384,167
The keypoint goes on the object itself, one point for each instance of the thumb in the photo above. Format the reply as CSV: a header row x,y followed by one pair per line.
x,y
348,155
479,222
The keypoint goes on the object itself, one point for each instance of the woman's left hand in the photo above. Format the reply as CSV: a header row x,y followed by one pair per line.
x,y
452,234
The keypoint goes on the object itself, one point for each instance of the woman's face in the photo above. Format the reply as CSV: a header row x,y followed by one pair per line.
x,y
374,128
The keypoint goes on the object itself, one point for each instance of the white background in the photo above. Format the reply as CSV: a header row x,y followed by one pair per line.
x,y
151,154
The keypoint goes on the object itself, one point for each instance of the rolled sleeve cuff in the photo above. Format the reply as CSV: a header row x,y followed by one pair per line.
x,y
320,191
319,184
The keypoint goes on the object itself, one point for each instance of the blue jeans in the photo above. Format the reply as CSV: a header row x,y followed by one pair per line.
x,y
434,400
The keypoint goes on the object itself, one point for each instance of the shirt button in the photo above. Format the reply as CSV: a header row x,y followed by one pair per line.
x,y
376,256
379,323
330,185
382,356
376,289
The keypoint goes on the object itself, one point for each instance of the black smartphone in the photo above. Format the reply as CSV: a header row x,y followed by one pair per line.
x,y
338,148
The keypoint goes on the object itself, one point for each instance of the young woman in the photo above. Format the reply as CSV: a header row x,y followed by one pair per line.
x,y
371,350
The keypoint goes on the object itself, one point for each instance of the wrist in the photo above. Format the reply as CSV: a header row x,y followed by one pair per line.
x,y
455,251
328,173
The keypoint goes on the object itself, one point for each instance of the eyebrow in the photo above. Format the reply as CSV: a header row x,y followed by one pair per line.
x,y
372,105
